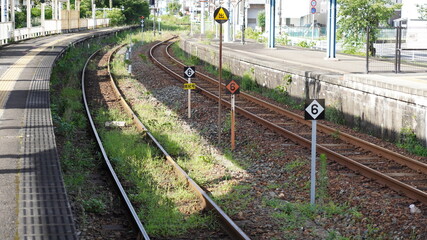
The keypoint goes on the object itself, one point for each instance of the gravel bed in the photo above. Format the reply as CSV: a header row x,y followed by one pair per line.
x,y
273,173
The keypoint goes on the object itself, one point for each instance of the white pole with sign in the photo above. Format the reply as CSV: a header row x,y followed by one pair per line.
x,y
233,88
314,109
189,99
313,162
189,72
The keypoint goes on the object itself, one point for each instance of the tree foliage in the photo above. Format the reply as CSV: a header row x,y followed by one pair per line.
x,y
174,7
356,15
134,9
116,17
422,10
261,19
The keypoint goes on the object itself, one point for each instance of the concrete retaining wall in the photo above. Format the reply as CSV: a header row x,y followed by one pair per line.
x,y
371,103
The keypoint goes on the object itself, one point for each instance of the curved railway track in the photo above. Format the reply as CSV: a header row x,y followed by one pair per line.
x,y
142,234
228,225
400,173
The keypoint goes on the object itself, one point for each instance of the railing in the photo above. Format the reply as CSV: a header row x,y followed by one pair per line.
x,y
50,27
5,32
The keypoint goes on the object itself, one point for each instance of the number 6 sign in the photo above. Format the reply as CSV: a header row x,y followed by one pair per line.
x,y
314,109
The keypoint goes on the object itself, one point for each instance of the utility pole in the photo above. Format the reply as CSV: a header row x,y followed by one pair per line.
x,y
202,20
331,29
28,14
243,21
227,26
272,32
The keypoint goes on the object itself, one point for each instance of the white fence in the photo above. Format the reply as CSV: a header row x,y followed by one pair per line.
x,y
5,32
49,27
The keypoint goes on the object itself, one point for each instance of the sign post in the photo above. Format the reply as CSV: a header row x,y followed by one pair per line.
x,y
313,11
220,16
233,88
189,72
314,110
142,23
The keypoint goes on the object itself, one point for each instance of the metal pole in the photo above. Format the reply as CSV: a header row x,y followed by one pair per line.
x,y
271,38
202,20
3,9
94,13
12,18
28,14
191,20
396,49
236,11
154,21
227,25
220,84
233,119
313,162
43,18
331,29
367,49
189,99
243,21
312,31
398,46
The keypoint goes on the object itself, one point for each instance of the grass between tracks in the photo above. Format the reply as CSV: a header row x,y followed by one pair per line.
x,y
168,207
165,204
140,166
77,151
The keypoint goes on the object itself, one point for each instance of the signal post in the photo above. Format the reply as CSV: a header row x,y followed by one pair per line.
x,y
220,16
233,88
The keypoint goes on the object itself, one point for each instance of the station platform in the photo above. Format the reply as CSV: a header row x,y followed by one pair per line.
x,y
33,199
345,65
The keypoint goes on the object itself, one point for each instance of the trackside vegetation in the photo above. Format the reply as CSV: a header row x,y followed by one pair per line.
x,y
167,207
77,151
408,140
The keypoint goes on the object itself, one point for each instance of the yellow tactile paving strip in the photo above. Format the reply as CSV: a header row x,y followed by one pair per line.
x,y
9,78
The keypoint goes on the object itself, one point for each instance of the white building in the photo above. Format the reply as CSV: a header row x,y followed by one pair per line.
x,y
410,9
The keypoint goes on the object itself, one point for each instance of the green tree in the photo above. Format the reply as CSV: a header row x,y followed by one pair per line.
x,y
422,10
117,17
356,15
173,7
20,19
85,9
134,9
261,20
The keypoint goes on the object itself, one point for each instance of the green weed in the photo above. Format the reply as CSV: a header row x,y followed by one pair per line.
x,y
306,44
94,205
409,141
333,114
322,190
296,164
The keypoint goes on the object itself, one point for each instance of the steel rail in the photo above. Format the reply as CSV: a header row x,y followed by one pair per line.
x,y
142,234
227,223
394,184
399,158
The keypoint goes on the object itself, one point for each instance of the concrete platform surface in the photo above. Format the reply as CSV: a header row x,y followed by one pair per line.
x,y
33,200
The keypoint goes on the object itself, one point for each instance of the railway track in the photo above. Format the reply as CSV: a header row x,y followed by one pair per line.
x,y
142,234
207,203
402,174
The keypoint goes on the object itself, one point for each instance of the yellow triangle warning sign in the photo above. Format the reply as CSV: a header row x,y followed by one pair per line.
x,y
221,14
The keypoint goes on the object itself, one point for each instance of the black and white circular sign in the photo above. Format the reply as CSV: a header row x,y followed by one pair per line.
x,y
314,109
189,72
